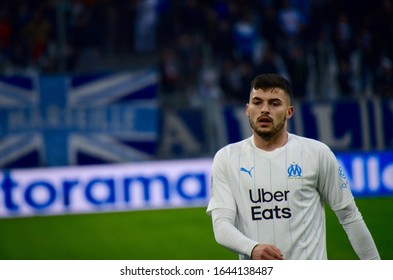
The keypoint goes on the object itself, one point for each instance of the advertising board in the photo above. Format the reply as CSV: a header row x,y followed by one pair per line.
x,y
151,185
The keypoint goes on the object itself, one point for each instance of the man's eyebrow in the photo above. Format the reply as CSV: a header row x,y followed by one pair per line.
x,y
275,99
269,99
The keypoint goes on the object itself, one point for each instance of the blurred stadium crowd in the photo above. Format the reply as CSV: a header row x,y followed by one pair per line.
x,y
327,48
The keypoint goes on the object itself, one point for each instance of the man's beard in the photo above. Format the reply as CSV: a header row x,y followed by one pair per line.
x,y
268,135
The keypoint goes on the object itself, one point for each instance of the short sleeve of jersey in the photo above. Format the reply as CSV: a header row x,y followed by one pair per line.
x,y
333,183
220,195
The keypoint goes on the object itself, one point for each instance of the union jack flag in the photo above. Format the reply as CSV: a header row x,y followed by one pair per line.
x,y
76,120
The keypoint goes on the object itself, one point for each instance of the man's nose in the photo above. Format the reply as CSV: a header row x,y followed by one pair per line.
x,y
265,107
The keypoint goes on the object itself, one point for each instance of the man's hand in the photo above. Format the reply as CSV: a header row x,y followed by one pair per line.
x,y
266,252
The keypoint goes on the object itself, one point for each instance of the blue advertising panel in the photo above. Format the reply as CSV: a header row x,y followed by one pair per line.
x,y
151,185
104,188
369,174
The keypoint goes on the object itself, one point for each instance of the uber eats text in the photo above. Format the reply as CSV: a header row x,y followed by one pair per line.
x,y
268,205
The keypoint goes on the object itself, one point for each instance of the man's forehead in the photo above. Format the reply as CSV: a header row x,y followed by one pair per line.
x,y
268,93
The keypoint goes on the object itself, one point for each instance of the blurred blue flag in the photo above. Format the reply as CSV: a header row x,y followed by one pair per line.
x,y
75,120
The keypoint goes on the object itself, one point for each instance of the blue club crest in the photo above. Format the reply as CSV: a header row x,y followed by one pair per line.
x,y
294,171
341,173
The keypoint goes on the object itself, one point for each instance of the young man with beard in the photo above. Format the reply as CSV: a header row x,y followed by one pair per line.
x,y
268,191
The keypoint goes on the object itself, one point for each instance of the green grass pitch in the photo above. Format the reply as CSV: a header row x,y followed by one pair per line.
x,y
172,234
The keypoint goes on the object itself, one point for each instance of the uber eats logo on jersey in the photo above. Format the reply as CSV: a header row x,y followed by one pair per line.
x,y
265,198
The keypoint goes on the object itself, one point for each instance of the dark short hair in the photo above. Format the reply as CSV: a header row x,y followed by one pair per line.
x,y
268,81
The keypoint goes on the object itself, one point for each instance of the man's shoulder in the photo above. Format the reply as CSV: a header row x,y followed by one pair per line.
x,y
236,146
308,143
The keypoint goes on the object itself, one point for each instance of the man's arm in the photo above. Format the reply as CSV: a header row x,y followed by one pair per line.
x,y
230,237
337,192
358,233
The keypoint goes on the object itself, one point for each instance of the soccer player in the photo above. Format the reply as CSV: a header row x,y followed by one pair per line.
x,y
268,191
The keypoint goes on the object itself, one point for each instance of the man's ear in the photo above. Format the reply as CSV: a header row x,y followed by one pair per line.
x,y
290,112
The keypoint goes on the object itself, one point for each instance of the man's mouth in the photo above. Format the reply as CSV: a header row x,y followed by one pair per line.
x,y
264,120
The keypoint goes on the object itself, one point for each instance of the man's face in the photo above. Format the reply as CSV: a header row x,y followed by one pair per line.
x,y
268,111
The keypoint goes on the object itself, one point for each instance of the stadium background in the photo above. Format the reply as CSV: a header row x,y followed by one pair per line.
x,y
73,70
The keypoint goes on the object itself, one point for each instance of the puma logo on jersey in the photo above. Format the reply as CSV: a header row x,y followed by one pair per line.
x,y
247,171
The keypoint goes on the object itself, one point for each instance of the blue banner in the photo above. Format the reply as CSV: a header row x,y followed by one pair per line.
x,y
76,120
343,125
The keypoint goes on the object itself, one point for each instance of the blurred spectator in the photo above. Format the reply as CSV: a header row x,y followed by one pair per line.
x,y
235,80
322,52
306,40
208,91
246,37
190,53
222,41
166,25
291,43
5,33
345,78
19,56
368,60
269,62
230,81
382,21
343,48
191,17
145,26
298,70
343,37
291,20
37,31
247,73
169,71
125,27
85,39
384,78
270,28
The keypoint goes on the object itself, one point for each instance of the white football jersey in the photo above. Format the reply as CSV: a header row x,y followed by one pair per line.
x,y
279,195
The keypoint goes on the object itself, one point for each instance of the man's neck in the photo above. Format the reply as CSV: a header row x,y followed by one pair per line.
x,y
270,144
